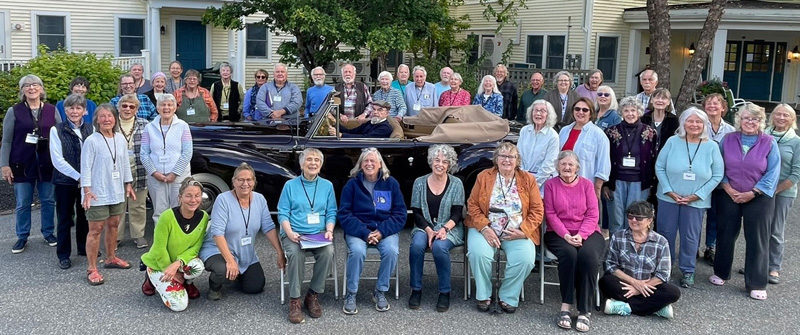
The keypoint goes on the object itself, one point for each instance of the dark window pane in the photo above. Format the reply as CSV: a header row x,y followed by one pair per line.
x,y
131,46
555,52
257,40
607,57
256,49
51,25
52,42
473,52
534,54
131,27
256,32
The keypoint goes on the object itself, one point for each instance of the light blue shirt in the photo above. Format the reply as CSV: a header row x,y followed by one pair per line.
x,y
539,151
440,88
295,203
724,129
228,219
425,97
610,118
673,161
592,148
315,96
289,95
394,97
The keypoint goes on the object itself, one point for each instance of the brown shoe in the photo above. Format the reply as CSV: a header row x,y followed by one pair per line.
x,y
312,305
295,311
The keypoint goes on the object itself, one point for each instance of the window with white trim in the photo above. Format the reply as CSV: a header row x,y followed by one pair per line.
x,y
607,57
546,51
131,36
257,41
51,31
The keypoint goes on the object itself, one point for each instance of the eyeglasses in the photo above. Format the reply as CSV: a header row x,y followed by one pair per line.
x,y
261,77
539,111
506,157
580,109
126,84
639,218
751,119
31,85
603,94
564,80
131,106
245,180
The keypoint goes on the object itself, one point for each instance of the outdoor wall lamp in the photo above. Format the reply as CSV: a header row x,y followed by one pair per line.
x,y
691,49
163,30
795,53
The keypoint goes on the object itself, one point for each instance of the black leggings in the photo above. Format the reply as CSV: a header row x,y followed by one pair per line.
x,y
577,268
664,294
251,281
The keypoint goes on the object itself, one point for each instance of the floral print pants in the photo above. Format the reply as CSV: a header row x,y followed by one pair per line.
x,y
173,293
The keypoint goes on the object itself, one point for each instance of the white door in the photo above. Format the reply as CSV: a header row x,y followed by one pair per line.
x,y
3,47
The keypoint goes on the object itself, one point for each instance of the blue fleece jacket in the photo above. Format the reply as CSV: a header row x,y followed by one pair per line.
x,y
361,212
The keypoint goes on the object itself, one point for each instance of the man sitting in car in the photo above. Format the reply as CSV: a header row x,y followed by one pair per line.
x,y
377,127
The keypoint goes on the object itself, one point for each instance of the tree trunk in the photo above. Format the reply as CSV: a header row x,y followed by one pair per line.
x,y
702,50
658,15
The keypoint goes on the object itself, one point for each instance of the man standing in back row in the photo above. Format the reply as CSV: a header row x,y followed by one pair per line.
x,y
355,96
279,99
420,94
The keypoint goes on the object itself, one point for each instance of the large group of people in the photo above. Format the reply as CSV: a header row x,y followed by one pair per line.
x,y
582,156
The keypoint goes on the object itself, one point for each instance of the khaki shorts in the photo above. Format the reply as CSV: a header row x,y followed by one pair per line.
x,y
100,213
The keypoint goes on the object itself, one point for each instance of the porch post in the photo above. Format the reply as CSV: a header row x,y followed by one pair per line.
x,y
634,50
241,37
717,57
154,42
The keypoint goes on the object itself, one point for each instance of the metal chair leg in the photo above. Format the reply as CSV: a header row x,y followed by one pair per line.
x,y
283,289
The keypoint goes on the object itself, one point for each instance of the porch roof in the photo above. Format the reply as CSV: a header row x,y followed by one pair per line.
x,y
744,14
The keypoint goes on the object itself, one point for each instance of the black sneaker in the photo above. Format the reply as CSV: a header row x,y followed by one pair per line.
x,y
19,246
708,255
443,304
65,264
51,241
414,301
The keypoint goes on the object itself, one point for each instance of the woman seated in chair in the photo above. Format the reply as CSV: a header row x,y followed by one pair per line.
x,y
573,235
638,265
504,211
307,207
372,212
437,201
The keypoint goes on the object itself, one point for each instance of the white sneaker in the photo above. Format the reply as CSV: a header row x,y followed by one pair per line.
x,y
666,312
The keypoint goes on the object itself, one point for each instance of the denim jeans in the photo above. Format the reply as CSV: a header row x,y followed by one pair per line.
x,y
441,257
625,193
357,247
24,196
688,220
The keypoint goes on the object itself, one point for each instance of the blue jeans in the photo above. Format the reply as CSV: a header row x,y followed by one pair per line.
x,y
358,252
24,194
625,193
441,257
689,221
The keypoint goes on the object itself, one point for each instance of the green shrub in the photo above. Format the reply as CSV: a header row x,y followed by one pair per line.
x,y
57,69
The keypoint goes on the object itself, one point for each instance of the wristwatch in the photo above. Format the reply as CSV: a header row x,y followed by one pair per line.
x,y
446,229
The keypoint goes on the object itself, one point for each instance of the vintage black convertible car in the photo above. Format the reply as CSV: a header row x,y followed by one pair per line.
x,y
273,148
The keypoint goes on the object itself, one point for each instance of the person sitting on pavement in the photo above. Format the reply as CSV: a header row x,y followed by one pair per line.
x,y
172,261
278,99
639,284
377,127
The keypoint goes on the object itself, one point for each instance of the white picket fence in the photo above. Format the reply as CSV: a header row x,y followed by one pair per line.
x,y
123,63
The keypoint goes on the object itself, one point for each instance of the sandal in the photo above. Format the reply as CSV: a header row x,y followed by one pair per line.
x,y
93,277
116,263
583,324
758,294
716,280
564,320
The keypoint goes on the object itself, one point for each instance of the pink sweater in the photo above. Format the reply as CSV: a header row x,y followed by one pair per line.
x,y
571,210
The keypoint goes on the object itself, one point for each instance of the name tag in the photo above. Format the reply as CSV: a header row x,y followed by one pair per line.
x,y
689,175
190,111
163,159
277,98
31,138
426,96
131,154
225,105
629,161
247,240
417,107
313,218
115,175
349,104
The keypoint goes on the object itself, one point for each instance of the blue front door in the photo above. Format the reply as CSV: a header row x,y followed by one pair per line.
x,y
190,44
756,72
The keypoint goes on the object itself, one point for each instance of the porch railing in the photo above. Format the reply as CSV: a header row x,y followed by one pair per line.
x,y
123,63
522,77
8,64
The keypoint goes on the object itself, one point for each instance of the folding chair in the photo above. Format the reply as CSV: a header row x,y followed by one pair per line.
x,y
309,260
543,266
374,250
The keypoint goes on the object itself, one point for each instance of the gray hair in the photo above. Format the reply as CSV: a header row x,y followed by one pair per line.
x,y
341,70
311,152
419,68
681,132
132,98
500,66
317,68
631,102
75,100
244,167
385,74
225,64
402,66
31,79
788,109
167,97
613,97
189,182
592,72
655,75
364,153
456,75
494,85
449,155
137,64
751,109
551,113
109,107
563,73
277,65
507,147
569,154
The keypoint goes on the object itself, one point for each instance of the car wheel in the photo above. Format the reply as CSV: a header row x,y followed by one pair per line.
x,y
213,186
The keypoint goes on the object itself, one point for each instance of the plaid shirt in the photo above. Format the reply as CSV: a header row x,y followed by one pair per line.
x,y
137,168
652,259
146,110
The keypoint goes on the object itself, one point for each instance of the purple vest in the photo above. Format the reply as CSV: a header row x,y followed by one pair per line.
x,y
744,171
28,161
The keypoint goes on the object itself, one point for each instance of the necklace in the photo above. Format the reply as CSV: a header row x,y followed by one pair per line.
x,y
568,182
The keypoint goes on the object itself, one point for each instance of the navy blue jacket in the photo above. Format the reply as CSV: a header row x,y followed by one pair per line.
x,y
368,130
361,213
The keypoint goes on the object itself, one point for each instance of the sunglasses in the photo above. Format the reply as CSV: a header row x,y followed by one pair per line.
x,y
581,109
261,77
603,94
639,218
127,106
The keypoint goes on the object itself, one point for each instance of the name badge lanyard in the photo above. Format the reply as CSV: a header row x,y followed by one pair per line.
x,y
164,135
503,192
114,153
564,104
34,117
277,92
246,219
419,93
227,92
692,157
630,143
